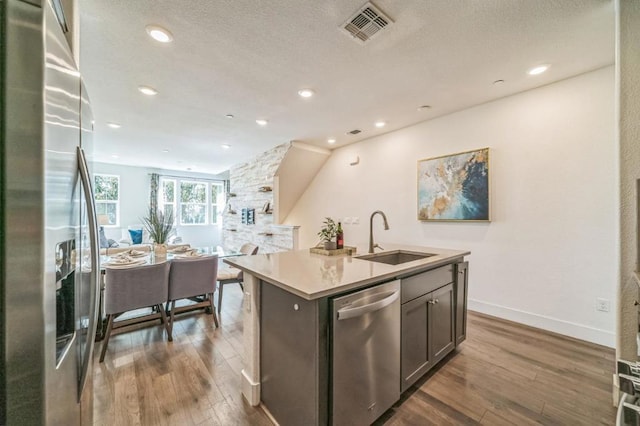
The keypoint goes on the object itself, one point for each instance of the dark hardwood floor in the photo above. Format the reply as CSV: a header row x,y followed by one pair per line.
x,y
503,374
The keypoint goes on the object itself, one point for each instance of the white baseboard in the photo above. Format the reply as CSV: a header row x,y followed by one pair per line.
x,y
250,389
578,331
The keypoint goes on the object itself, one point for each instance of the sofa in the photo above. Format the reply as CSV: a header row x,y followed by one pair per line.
x,y
110,246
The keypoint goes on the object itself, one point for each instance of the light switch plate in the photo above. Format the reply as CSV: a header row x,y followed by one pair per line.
x,y
355,220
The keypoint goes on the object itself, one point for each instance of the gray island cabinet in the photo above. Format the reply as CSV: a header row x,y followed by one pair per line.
x,y
294,367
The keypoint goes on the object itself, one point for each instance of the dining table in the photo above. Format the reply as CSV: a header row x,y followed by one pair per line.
x,y
141,258
137,258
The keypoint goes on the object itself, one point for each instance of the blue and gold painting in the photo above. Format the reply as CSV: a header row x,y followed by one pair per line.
x,y
454,187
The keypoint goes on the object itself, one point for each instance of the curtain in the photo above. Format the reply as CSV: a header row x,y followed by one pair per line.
x,y
153,193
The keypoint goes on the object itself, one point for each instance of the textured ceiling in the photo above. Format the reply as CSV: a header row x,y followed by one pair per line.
x,y
249,58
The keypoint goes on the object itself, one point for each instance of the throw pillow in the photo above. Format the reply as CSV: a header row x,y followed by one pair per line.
x,y
136,236
104,243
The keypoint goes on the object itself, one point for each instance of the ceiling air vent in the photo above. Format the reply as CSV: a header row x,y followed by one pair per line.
x,y
354,132
366,23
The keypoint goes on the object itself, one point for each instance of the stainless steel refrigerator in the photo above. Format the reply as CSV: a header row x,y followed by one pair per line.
x,y
48,235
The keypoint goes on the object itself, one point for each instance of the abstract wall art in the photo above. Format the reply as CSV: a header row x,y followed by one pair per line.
x,y
454,187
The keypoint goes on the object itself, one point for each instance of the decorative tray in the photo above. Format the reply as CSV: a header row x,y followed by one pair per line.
x,y
345,250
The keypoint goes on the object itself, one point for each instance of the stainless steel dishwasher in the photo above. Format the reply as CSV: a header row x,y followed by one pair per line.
x,y
365,354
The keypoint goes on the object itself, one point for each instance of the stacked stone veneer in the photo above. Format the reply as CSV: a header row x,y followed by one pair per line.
x,y
245,181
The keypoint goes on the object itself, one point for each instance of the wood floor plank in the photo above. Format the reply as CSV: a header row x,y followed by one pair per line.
x,y
553,414
150,407
503,374
191,387
127,409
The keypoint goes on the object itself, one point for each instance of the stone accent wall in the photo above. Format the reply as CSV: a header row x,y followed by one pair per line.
x,y
245,181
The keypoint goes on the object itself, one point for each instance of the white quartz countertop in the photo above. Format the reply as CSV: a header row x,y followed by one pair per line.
x,y
312,276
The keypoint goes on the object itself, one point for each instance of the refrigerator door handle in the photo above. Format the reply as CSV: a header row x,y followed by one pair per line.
x,y
95,267
346,313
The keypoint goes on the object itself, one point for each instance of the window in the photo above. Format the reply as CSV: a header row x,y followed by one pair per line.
x,y
217,202
193,203
167,202
107,197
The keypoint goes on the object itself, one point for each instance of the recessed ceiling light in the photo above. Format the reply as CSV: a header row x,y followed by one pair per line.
x,y
114,156
229,115
262,122
331,141
165,151
424,107
498,82
159,34
188,168
114,125
226,146
150,91
306,93
380,124
539,69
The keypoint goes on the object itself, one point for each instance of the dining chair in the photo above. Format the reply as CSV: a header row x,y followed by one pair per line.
x,y
230,275
133,288
190,278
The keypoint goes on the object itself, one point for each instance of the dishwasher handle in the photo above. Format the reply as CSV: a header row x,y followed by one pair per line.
x,y
390,297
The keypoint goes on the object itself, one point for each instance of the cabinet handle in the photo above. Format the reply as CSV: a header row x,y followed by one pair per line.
x,y
432,302
435,301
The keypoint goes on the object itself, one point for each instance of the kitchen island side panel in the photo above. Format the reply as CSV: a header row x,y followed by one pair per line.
x,y
294,359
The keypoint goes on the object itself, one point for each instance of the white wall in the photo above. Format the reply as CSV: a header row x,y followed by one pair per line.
x,y
134,203
549,251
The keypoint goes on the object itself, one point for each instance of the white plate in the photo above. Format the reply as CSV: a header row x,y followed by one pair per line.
x,y
117,265
188,256
179,250
139,254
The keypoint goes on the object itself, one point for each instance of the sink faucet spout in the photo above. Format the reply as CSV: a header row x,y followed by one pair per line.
x,y
386,227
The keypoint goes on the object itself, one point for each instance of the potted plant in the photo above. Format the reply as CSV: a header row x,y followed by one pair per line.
x,y
328,233
159,226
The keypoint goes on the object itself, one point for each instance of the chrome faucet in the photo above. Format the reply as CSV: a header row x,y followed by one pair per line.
x,y
386,227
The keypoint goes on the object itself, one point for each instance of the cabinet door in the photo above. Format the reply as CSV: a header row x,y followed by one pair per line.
x,y
462,282
415,338
441,323
291,359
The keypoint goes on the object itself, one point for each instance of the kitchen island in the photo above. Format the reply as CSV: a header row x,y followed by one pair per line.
x,y
291,359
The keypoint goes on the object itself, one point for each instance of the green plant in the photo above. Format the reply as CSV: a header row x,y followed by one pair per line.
x,y
158,225
329,231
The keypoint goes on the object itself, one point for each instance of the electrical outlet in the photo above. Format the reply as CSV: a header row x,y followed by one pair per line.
x,y
602,305
346,220
355,220
247,301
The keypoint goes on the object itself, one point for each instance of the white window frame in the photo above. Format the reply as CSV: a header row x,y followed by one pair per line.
x,y
205,203
162,202
116,202
210,207
218,207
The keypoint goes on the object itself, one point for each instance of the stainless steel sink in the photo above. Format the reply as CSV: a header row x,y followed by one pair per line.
x,y
395,257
